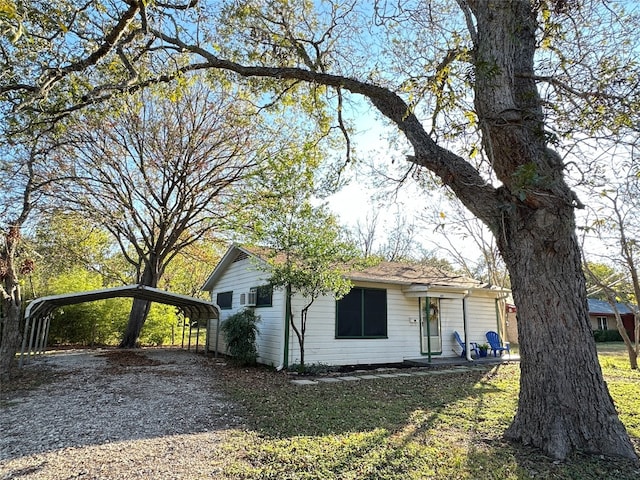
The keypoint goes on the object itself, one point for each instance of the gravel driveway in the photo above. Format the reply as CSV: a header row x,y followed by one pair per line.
x,y
115,414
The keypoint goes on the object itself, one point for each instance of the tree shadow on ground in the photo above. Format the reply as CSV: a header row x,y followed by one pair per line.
x,y
442,425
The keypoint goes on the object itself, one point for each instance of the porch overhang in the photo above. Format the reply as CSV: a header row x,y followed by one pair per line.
x,y
447,291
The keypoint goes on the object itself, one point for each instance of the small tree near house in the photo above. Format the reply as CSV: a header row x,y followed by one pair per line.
x,y
306,248
310,262
619,222
613,298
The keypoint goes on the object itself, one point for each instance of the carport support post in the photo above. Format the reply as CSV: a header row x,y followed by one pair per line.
x,y
39,338
47,325
24,340
32,337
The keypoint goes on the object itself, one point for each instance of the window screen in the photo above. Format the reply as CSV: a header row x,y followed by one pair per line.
x,y
264,296
362,313
224,300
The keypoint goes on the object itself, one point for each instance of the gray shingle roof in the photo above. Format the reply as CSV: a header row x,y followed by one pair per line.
x,y
412,274
603,307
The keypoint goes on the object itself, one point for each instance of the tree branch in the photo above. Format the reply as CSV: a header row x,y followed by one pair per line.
x,y
453,170
52,76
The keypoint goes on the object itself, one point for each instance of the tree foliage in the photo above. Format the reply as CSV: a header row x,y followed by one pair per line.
x,y
307,253
67,240
160,173
604,273
160,326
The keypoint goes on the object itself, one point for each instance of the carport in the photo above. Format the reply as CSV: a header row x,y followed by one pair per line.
x,y
38,312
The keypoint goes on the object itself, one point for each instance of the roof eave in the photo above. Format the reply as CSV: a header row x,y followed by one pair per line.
x,y
224,263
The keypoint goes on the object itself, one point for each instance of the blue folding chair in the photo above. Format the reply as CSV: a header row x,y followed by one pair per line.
x,y
496,344
474,345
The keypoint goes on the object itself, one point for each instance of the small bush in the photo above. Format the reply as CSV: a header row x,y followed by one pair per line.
x,y
607,336
240,331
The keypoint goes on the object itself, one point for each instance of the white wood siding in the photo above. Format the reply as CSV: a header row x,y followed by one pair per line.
x,y
481,317
240,277
321,346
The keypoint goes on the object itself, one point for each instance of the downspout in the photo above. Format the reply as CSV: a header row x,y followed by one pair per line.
x,y
467,344
215,352
428,322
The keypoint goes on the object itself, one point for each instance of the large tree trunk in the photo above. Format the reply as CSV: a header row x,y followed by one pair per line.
x,y
11,303
10,339
140,308
137,317
564,404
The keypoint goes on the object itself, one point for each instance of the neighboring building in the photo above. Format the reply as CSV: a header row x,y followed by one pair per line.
x,y
394,312
603,317
511,324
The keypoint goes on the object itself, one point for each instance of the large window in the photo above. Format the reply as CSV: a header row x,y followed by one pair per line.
x,y
264,295
362,313
224,300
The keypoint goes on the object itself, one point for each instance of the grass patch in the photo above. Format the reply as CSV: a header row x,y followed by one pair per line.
x,y
444,426
623,383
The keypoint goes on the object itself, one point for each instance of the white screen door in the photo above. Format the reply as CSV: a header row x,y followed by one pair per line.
x,y
431,341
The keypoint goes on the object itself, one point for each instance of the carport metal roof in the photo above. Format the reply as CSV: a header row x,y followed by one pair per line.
x,y
194,308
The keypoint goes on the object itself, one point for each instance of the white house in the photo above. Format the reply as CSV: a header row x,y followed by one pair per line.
x,y
394,312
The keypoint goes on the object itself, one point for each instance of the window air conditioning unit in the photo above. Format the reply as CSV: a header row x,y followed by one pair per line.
x,y
252,297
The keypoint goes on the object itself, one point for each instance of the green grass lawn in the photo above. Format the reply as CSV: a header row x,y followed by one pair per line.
x,y
446,426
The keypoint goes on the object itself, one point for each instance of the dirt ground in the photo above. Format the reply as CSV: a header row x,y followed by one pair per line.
x,y
110,414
